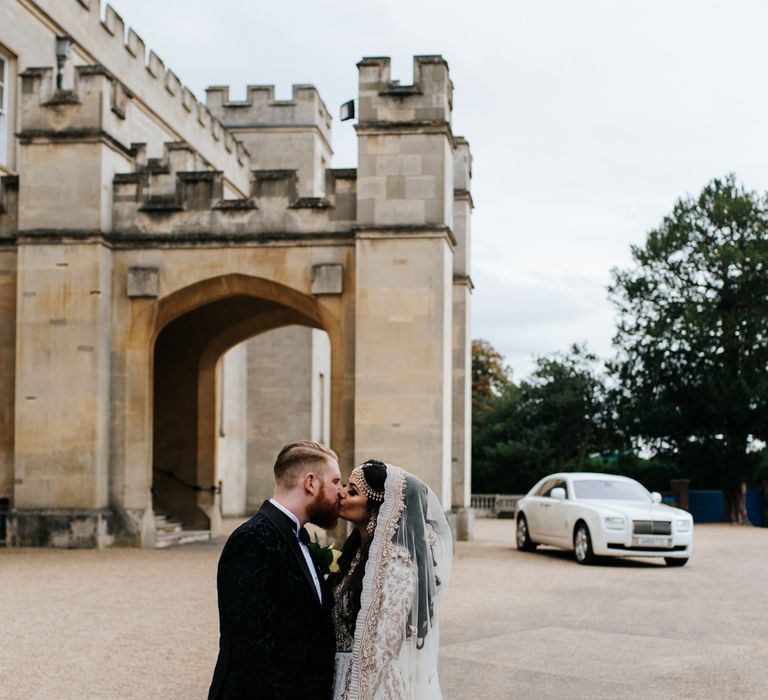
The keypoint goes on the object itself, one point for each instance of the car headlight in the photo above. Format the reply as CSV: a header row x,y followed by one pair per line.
x,y
683,525
614,523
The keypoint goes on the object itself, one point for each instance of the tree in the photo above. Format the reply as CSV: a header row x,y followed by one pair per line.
x,y
554,420
489,374
692,338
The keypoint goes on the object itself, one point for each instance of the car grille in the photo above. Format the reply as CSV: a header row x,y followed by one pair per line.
x,y
652,527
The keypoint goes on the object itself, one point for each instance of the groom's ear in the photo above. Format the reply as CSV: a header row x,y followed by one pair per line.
x,y
310,482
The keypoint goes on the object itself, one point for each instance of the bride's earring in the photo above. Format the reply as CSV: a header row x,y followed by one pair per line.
x,y
371,526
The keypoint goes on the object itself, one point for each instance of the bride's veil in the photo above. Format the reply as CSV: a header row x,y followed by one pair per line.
x,y
411,526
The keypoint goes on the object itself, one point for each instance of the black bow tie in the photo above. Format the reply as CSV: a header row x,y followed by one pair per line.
x,y
304,536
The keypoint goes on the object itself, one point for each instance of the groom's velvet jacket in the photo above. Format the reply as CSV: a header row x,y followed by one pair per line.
x,y
276,639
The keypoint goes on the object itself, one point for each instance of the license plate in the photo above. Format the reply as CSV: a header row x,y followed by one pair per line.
x,y
651,541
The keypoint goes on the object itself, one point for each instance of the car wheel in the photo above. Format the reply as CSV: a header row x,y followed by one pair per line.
x,y
524,543
674,561
582,545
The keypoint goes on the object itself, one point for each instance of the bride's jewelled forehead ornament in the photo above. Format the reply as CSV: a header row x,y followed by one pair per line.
x,y
359,477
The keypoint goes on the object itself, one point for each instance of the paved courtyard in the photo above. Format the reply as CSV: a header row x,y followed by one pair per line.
x,y
142,624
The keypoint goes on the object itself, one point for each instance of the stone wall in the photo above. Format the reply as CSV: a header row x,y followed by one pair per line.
x,y
7,368
279,402
62,376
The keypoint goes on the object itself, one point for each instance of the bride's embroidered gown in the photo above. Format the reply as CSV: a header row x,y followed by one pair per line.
x,y
386,631
380,653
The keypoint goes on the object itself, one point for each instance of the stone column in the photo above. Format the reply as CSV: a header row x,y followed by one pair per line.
x,y
63,308
462,342
8,213
62,395
404,271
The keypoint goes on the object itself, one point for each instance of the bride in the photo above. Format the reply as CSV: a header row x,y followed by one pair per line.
x,y
394,568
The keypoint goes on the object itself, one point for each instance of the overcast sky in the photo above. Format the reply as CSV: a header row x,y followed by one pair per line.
x,y
586,119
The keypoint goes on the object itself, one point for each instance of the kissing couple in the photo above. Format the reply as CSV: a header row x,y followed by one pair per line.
x,y
289,631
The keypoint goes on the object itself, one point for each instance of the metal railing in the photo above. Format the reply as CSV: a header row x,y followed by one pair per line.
x,y
195,487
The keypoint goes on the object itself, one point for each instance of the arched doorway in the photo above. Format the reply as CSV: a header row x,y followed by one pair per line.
x,y
195,330
272,389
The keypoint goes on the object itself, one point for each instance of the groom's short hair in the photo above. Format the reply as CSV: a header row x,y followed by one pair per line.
x,y
296,455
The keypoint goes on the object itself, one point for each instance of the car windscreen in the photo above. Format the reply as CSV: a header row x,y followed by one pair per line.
x,y
609,489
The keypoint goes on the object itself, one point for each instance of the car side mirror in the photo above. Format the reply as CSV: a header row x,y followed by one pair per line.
x,y
656,496
558,493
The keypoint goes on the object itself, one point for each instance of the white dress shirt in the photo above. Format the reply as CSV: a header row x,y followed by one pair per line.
x,y
304,548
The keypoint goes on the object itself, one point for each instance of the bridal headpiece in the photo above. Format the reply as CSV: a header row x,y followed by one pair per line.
x,y
359,476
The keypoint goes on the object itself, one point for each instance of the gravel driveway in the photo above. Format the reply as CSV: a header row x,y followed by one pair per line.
x,y
540,626
128,623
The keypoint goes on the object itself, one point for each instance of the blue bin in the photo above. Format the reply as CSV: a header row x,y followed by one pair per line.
x,y
708,506
755,510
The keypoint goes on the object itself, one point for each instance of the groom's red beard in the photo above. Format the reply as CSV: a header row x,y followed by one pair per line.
x,y
322,511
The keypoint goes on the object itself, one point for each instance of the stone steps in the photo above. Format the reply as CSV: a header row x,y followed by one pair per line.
x,y
170,532
164,525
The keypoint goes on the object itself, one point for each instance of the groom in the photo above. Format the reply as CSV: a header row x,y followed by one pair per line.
x,y
276,639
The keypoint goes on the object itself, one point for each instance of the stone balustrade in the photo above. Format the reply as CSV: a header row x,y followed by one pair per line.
x,y
493,505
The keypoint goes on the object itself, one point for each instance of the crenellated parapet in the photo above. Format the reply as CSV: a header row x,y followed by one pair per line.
x,y
290,134
428,99
176,181
168,197
95,103
260,109
106,40
96,100
69,139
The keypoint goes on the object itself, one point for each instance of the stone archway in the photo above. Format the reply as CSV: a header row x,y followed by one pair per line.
x,y
195,327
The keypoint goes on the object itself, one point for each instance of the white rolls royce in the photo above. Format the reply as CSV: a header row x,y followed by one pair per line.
x,y
602,515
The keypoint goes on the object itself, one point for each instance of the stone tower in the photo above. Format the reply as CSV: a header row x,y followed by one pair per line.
x,y
405,245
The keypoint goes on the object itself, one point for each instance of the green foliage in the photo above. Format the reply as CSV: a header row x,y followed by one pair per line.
x,y
489,374
692,335
553,420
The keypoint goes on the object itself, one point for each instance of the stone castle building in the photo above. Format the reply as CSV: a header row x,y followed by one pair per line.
x,y
184,286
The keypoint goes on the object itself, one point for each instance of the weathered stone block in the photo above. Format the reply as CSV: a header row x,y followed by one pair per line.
x,y
464,524
143,282
327,279
424,187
